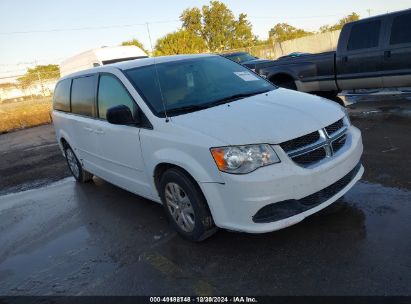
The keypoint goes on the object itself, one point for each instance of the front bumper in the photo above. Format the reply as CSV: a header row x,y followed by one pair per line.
x,y
235,203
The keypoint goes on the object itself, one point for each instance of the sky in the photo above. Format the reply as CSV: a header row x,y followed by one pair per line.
x,y
48,31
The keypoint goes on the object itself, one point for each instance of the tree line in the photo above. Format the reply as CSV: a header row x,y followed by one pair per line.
x,y
214,28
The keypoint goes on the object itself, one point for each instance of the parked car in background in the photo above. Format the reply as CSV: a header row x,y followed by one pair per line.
x,y
100,56
372,53
293,55
245,59
216,144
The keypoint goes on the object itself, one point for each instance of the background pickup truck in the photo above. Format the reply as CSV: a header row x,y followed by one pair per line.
x,y
371,53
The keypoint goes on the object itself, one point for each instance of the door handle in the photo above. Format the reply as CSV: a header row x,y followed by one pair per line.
x,y
88,129
99,131
345,59
387,54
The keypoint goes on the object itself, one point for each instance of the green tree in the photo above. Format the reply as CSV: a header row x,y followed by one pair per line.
x,y
283,31
338,26
39,73
243,35
180,42
216,24
219,26
135,42
192,20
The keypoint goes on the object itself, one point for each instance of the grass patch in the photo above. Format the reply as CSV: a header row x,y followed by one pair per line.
x,y
25,114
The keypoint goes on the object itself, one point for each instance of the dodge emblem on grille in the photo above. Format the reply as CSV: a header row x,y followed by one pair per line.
x,y
328,143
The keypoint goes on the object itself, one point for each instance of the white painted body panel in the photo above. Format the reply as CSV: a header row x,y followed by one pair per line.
x,y
234,203
271,118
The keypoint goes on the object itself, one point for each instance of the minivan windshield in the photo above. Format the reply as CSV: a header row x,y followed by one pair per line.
x,y
194,84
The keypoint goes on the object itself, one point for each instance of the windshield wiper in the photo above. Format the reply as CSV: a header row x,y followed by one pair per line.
x,y
186,109
197,107
234,97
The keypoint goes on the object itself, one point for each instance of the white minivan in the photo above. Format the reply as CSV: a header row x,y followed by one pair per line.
x,y
216,144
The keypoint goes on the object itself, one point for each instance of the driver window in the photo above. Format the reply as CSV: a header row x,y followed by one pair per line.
x,y
112,93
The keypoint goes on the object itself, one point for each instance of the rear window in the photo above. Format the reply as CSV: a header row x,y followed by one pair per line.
x,y
83,92
364,35
61,97
401,29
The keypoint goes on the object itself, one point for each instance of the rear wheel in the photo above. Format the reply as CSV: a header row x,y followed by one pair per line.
x,y
186,206
332,95
288,85
75,167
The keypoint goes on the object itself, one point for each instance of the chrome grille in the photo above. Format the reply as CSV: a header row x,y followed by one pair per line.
x,y
311,148
339,143
310,157
331,129
299,142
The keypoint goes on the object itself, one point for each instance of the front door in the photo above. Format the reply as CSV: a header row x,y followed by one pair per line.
x,y
359,64
119,151
397,52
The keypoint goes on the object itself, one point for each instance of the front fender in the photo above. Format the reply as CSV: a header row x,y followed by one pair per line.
x,y
202,168
277,70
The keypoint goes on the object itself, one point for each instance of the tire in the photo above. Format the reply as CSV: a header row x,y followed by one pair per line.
x,y
329,95
81,175
186,206
287,85
332,95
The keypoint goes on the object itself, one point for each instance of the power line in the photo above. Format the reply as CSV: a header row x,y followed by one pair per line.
x,y
301,17
87,28
19,63
145,23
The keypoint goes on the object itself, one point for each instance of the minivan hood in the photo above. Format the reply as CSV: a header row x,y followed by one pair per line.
x,y
274,117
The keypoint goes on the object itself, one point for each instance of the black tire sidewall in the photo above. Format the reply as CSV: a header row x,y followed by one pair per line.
x,y
80,174
288,85
203,219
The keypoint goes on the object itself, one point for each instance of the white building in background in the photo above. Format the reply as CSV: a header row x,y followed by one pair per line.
x,y
11,91
100,56
82,61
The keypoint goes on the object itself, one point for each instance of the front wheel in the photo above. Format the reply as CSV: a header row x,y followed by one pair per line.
x,y
186,206
290,84
333,96
75,167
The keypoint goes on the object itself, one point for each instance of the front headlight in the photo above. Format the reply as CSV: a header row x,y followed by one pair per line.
x,y
244,159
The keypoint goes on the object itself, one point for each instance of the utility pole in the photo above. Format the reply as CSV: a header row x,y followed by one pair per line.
x,y
369,12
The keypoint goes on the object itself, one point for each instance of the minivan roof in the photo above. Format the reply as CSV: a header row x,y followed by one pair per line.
x,y
125,65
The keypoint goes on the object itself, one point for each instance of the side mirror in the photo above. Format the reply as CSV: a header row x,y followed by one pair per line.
x,y
120,115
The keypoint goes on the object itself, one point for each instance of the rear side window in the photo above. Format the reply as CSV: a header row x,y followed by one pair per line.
x,y
83,92
401,29
364,35
61,98
112,93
